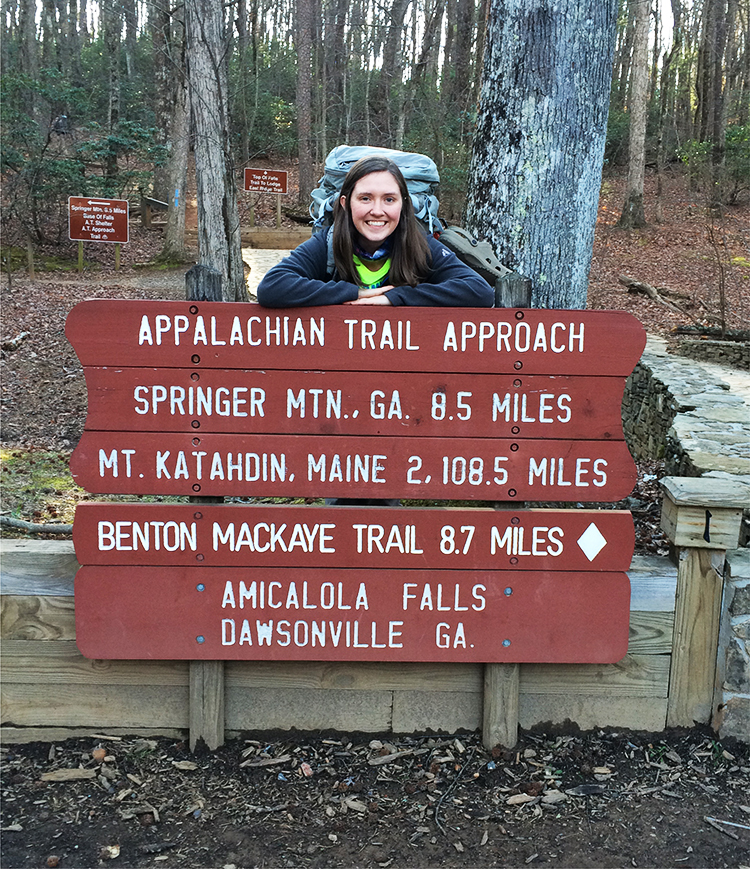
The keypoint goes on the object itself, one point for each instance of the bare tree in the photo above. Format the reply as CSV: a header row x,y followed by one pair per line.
x,y
112,27
303,41
538,148
218,219
390,75
633,215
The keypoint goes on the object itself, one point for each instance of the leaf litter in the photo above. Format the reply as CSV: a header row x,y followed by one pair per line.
x,y
309,800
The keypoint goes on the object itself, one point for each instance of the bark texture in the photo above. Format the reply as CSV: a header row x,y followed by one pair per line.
x,y
218,219
537,156
303,44
633,215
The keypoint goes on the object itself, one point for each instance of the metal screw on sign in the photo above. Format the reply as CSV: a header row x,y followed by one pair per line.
x,y
514,560
511,493
200,556
196,442
518,365
195,359
193,309
506,642
515,520
514,447
508,591
200,587
519,315
195,376
198,515
196,487
203,640
195,423
515,430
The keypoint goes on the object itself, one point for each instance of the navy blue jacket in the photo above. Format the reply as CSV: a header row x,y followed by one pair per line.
x,y
303,278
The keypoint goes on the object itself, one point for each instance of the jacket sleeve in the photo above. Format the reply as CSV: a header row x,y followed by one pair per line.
x,y
451,283
301,280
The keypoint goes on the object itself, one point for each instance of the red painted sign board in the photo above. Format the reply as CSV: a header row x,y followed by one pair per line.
x,y
316,466
266,180
94,219
225,335
294,536
351,615
354,403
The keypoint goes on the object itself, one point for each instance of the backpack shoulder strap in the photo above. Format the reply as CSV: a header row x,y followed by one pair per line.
x,y
330,262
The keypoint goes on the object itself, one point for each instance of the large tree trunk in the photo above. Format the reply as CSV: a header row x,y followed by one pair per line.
x,y
390,75
711,116
159,25
179,147
666,87
538,149
112,27
29,53
457,92
303,42
218,219
131,33
50,40
633,215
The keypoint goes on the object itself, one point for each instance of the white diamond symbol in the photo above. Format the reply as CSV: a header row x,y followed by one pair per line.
x,y
592,542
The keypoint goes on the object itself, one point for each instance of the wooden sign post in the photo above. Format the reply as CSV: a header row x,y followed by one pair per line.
x,y
235,400
267,181
95,219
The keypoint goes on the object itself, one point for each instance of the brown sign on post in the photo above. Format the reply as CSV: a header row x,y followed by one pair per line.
x,y
351,615
94,219
292,536
266,180
341,338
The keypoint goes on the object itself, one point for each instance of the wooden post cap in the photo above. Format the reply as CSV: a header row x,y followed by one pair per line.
x,y
703,512
707,492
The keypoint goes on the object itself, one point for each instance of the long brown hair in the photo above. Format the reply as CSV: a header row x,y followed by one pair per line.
x,y
410,254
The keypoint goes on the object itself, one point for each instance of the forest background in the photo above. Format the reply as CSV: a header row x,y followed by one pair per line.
x,y
94,97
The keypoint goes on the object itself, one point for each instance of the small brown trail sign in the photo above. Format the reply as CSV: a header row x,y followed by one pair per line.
x,y
352,614
94,219
354,403
142,334
316,466
266,180
251,535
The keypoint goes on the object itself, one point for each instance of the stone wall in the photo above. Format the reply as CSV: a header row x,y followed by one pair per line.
x,y
684,412
733,713
648,409
734,353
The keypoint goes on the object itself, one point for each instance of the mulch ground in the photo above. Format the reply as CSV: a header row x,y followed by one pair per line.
x,y
602,799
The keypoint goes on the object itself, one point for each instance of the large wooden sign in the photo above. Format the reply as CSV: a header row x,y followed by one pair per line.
x,y
434,403
225,335
354,614
94,219
235,400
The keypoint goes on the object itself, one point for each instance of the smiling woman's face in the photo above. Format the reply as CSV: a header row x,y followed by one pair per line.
x,y
375,206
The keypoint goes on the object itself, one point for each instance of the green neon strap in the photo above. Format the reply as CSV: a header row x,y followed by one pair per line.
x,y
367,277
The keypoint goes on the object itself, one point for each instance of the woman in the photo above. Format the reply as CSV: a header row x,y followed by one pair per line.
x,y
376,253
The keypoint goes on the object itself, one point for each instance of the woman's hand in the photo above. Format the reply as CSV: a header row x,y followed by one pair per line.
x,y
372,296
